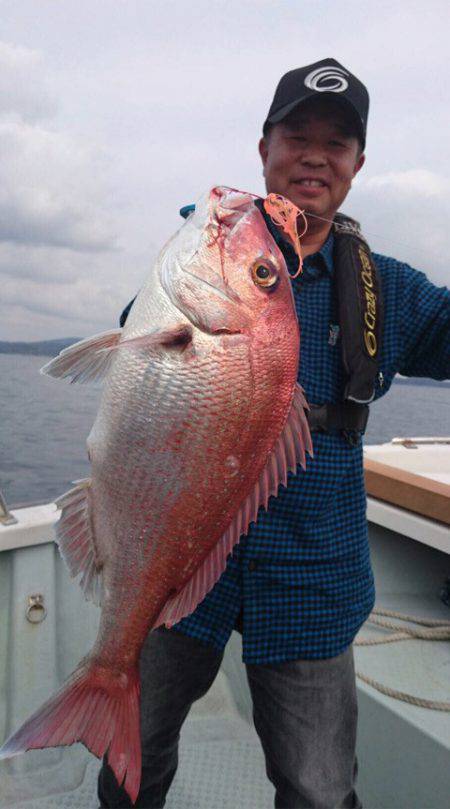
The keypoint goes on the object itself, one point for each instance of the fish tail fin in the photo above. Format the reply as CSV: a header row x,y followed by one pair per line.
x,y
98,707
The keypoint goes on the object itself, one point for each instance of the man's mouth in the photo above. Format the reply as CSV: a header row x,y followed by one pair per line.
x,y
308,182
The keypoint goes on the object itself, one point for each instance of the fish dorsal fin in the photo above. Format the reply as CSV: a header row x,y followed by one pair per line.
x,y
76,541
288,451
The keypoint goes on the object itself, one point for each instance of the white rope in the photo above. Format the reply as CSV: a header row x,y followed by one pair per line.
x,y
391,692
411,618
436,629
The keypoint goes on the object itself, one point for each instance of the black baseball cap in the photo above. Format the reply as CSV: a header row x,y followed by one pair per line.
x,y
324,78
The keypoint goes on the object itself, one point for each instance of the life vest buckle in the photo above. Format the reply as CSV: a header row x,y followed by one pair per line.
x,y
349,418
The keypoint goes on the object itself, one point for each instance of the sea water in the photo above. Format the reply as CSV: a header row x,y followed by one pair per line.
x,y
44,424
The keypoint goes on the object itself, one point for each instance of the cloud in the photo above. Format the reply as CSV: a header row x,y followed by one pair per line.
x,y
59,226
82,299
113,119
405,214
86,304
24,84
418,182
51,190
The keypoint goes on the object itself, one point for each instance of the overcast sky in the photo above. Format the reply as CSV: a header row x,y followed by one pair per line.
x,y
114,113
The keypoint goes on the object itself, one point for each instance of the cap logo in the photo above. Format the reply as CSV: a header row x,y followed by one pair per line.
x,y
327,79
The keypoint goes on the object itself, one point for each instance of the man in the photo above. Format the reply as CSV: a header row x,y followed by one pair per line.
x,y
300,584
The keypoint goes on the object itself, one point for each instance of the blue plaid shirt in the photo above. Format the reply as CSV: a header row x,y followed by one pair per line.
x,y
301,580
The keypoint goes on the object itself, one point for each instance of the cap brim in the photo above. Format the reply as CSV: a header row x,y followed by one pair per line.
x,y
284,111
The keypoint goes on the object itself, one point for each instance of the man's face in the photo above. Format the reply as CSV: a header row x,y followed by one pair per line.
x,y
312,156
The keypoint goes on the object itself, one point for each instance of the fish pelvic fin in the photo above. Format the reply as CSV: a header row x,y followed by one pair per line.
x,y
76,541
98,707
85,361
289,451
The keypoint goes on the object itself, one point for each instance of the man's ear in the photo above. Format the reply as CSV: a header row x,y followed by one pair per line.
x,y
359,164
263,150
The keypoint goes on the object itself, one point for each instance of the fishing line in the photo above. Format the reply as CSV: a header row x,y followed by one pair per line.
x,y
370,233
304,213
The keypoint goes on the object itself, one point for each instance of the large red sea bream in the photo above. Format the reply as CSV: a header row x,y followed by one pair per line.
x,y
200,419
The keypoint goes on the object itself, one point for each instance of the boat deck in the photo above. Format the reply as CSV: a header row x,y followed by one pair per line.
x,y
221,764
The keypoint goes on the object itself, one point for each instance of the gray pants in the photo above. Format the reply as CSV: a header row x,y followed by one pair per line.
x,y
304,712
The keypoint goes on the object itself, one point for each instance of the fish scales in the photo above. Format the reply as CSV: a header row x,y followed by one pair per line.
x,y
206,514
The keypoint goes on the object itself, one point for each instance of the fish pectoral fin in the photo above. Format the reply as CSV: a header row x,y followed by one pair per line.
x,y
74,535
89,360
85,361
289,450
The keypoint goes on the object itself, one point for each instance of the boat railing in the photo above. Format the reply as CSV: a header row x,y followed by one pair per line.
x,y
413,442
6,518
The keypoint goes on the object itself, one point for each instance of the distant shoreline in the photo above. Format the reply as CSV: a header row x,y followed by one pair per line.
x,y
40,348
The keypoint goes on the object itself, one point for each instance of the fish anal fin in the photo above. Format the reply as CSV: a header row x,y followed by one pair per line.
x,y
289,451
74,535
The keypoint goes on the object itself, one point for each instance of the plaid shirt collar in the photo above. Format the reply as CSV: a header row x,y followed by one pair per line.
x,y
315,265
321,261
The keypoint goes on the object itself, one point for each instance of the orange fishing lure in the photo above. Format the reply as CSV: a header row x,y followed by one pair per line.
x,y
284,214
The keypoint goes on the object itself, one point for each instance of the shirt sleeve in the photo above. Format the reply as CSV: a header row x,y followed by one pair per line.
x,y
425,326
126,312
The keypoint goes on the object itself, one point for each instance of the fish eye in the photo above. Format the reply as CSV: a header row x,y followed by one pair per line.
x,y
264,275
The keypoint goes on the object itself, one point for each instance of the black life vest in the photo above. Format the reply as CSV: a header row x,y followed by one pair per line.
x,y
358,307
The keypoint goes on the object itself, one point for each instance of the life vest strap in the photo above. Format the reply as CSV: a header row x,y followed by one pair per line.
x,y
360,309
349,418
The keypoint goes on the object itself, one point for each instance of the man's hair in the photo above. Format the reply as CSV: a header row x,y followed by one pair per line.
x,y
267,129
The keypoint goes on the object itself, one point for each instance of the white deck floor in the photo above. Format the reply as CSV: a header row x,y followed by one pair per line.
x,y
221,765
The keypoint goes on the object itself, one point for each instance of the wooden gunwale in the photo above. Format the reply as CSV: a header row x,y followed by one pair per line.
x,y
417,493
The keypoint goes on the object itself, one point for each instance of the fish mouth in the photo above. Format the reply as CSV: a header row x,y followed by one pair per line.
x,y
224,330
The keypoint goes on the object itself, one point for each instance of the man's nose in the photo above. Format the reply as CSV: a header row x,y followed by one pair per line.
x,y
313,156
